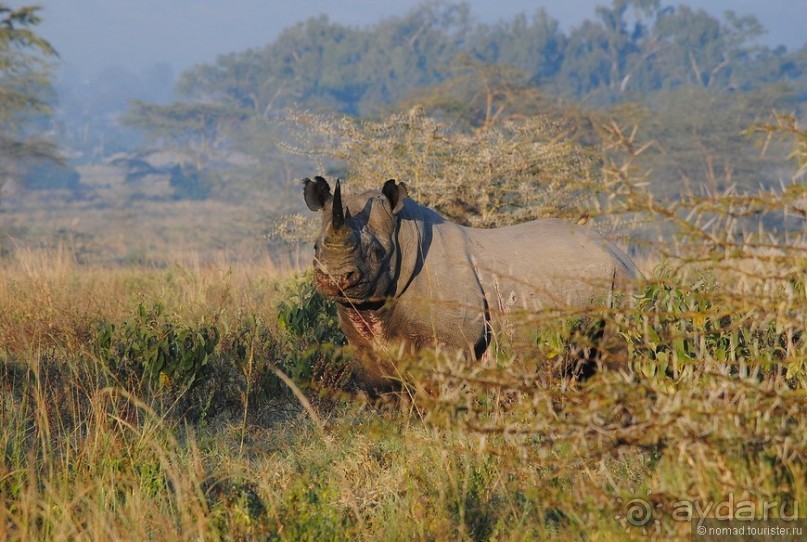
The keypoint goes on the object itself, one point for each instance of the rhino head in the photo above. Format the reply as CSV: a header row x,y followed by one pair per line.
x,y
356,253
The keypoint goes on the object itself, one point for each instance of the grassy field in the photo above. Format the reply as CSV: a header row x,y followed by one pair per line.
x,y
205,395
708,406
112,222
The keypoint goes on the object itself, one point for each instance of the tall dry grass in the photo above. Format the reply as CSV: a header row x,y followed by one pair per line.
x,y
85,455
50,299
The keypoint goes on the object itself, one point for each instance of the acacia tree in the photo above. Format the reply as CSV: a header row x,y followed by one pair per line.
x,y
198,128
197,134
25,62
480,96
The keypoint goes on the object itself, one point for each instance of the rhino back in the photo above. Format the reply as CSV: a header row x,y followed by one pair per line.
x,y
546,263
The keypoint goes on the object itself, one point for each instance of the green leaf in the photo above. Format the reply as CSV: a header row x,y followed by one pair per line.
x,y
679,347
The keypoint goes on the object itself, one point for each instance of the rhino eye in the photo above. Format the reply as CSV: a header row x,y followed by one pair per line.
x,y
376,253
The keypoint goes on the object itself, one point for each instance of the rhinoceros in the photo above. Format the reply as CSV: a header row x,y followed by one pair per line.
x,y
403,276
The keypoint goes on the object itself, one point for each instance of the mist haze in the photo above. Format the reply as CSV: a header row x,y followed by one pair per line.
x,y
93,34
161,103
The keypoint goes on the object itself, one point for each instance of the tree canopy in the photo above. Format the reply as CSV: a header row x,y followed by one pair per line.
x,y
693,82
25,89
633,47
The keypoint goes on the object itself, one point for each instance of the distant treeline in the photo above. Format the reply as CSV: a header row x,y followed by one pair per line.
x,y
692,82
633,47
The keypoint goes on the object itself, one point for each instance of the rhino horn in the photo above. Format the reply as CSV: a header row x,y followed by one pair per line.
x,y
338,235
338,218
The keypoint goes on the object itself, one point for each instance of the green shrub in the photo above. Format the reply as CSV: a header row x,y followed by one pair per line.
x,y
309,510
696,327
236,508
156,349
311,340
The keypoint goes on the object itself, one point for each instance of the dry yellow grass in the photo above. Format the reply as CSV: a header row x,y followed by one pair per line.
x,y
49,299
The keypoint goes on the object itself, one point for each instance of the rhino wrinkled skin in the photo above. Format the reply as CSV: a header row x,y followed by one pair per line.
x,y
403,276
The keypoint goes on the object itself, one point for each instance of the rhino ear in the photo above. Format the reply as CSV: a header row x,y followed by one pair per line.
x,y
317,193
395,193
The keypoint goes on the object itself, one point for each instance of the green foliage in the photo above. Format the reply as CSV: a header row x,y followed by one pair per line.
x,y
311,338
309,510
251,339
677,330
236,508
156,348
326,65
303,312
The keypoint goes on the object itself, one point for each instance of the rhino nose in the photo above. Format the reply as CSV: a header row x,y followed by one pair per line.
x,y
337,282
350,278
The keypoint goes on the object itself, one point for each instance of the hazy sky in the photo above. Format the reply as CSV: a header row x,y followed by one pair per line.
x,y
91,34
